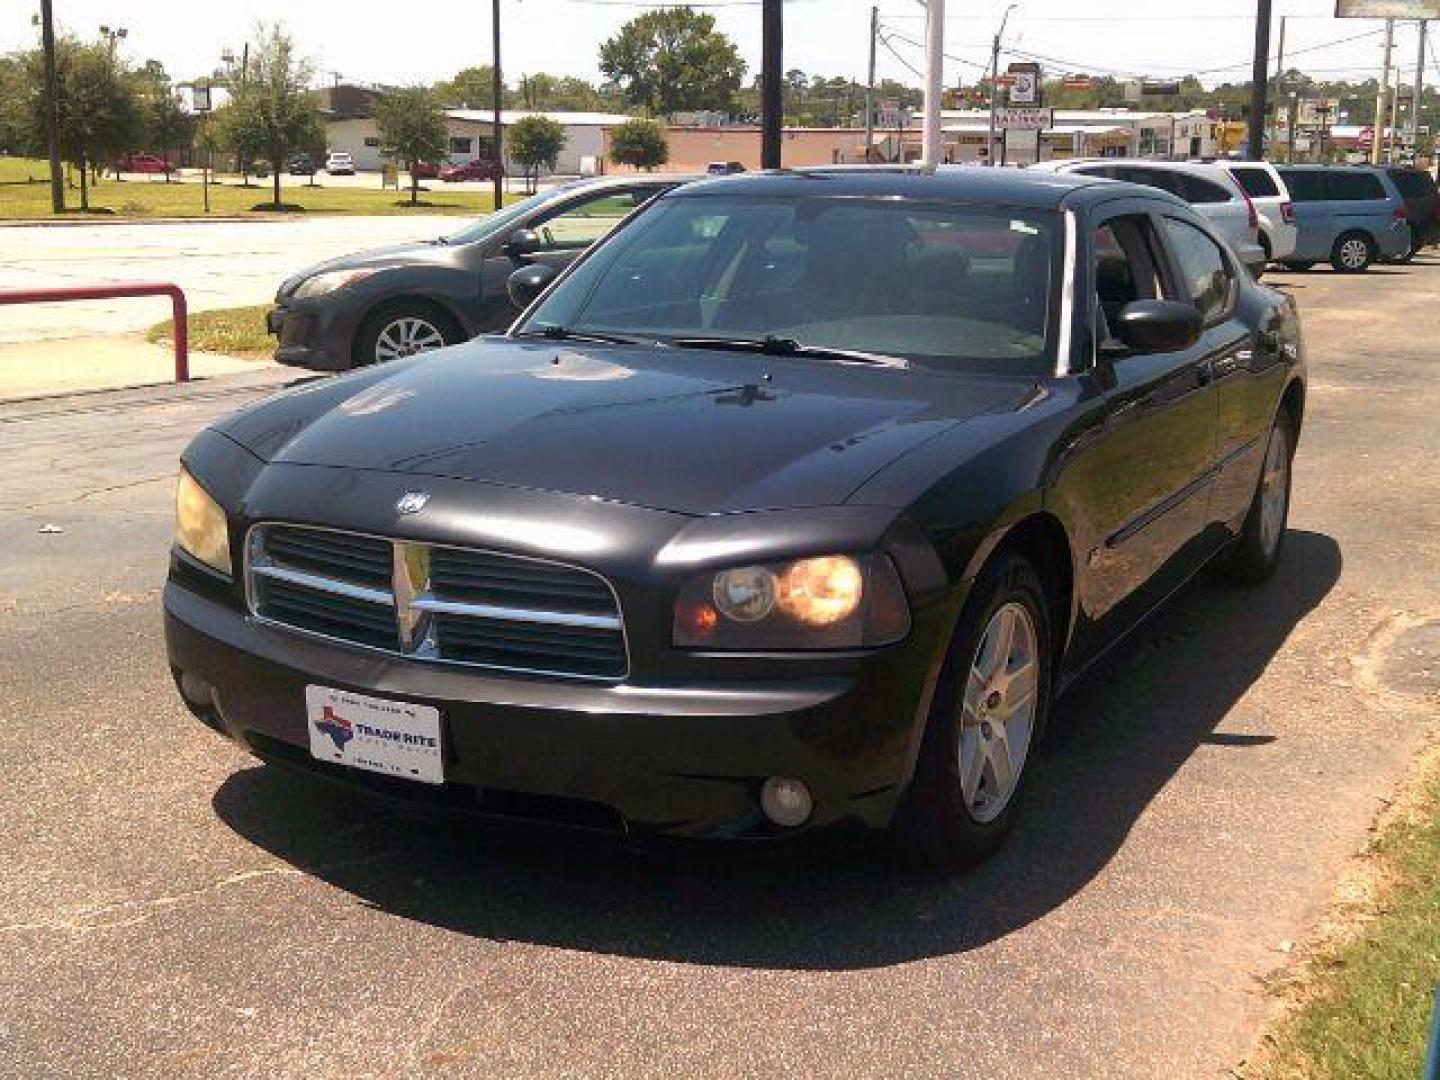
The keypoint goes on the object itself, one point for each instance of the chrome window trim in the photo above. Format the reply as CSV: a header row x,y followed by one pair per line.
x,y
425,649
1065,338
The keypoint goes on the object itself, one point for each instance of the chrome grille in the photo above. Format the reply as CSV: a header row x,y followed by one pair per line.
x,y
437,603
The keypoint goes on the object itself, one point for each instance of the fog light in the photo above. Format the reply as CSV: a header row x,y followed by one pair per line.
x,y
196,690
786,802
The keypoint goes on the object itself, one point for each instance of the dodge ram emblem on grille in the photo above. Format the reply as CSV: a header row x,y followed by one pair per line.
x,y
412,502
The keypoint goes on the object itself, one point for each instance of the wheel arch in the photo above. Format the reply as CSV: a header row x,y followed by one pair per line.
x,y
436,304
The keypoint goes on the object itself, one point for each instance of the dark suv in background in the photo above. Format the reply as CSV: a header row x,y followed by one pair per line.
x,y
1422,206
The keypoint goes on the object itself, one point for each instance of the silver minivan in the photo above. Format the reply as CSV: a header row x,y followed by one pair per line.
x,y
1212,192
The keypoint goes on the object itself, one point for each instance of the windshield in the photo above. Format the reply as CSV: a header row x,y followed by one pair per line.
x,y
504,219
925,281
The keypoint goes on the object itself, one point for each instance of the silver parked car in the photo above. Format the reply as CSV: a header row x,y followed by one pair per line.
x,y
1211,191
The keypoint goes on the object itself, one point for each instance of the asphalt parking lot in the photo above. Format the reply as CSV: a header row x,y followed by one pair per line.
x,y
170,907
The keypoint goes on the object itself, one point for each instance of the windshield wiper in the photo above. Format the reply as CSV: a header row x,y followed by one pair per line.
x,y
774,345
564,333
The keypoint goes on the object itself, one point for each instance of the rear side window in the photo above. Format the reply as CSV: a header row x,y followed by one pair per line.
x,y
1163,179
1258,183
1413,184
1306,185
1355,186
1204,270
1196,189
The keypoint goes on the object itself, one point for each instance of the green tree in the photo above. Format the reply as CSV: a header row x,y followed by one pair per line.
x,y
562,93
98,115
412,124
273,114
165,123
535,141
14,91
673,59
640,143
473,88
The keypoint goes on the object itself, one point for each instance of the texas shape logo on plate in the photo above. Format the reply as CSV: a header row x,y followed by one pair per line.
x,y
412,502
336,726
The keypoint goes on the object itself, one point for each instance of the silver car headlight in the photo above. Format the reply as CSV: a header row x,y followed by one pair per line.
x,y
823,602
330,280
201,530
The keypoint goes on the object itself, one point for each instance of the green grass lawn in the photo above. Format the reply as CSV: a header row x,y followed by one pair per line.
x,y
229,331
152,197
1366,1002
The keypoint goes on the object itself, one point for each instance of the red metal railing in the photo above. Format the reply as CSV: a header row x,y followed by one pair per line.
x,y
178,309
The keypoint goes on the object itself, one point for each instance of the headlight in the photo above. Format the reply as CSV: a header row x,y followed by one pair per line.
x,y
828,602
331,280
200,528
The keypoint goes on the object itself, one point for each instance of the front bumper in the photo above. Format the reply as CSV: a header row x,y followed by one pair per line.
x,y
677,760
315,335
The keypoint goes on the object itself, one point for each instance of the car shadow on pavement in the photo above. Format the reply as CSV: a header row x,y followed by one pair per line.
x,y
1115,741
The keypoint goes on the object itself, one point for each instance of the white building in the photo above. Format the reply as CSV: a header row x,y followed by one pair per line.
x,y
1085,133
471,136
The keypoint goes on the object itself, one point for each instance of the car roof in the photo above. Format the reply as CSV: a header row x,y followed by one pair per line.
x,y
1044,191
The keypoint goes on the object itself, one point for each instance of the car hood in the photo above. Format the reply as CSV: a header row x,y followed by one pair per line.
x,y
695,432
423,251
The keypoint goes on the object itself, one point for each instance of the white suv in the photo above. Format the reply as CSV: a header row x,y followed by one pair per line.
x,y
1212,192
1267,190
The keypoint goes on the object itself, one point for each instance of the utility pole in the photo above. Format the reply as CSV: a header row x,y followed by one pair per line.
x,y
1394,117
1377,139
1259,78
772,98
870,84
934,81
52,107
1419,87
1280,96
994,83
497,88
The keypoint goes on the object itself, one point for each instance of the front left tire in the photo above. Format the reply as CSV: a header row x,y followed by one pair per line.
x,y
987,719
403,328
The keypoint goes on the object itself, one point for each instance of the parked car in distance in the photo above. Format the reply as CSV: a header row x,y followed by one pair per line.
x,y
1422,207
300,165
379,305
1266,188
143,163
339,163
782,509
476,169
424,170
1347,215
1212,192
723,168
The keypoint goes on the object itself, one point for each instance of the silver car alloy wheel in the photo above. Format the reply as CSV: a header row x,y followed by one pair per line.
x,y
406,336
997,715
1354,253
1274,490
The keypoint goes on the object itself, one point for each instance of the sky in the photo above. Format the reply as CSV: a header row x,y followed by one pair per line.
x,y
390,43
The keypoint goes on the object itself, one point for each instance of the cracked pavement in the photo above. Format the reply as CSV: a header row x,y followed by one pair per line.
x,y
171,908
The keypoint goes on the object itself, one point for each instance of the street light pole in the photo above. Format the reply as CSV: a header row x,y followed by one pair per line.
x,y
772,100
1259,78
870,85
1419,86
52,106
994,83
497,88
934,81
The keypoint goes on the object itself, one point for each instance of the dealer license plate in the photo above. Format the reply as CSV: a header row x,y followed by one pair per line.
x,y
377,734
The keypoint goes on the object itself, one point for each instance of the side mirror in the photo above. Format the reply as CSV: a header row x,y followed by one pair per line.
x,y
522,242
1158,326
525,284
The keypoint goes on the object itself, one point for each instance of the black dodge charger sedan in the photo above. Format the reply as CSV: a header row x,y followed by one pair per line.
x,y
791,504
391,302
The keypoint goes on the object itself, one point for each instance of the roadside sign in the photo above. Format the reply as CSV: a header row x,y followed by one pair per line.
x,y
1387,9
1023,90
1024,119
1365,138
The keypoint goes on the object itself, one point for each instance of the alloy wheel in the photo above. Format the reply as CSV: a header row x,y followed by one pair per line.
x,y
1354,253
1274,490
997,716
405,337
